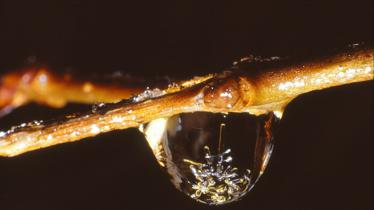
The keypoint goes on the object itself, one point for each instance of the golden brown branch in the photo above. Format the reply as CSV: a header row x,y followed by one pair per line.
x,y
42,86
256,93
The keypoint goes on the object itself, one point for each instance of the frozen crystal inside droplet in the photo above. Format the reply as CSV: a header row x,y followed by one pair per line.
x,y
213,158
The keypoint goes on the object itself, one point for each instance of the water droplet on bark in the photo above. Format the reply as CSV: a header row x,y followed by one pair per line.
x,y
213,158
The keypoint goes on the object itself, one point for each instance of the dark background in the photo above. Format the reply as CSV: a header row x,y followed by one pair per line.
x,y
323,157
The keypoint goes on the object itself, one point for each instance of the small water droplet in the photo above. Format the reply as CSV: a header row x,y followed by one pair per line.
x,y
213,158
98,107
148,94
2,134
95,129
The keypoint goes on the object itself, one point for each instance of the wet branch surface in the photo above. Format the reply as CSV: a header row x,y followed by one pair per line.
x,y
263,89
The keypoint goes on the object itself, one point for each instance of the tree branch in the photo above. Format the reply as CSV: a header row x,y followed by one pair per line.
x,y
256,92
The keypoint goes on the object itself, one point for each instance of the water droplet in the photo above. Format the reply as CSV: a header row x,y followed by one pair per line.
x,y
213,158
148,94
98,108
2,134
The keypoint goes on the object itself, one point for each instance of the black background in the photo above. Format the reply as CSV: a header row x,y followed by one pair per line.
x,y
323,157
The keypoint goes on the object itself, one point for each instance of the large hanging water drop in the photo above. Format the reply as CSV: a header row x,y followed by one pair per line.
x,y
213,158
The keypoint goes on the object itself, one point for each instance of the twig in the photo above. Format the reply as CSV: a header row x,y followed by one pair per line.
x,y
256,92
